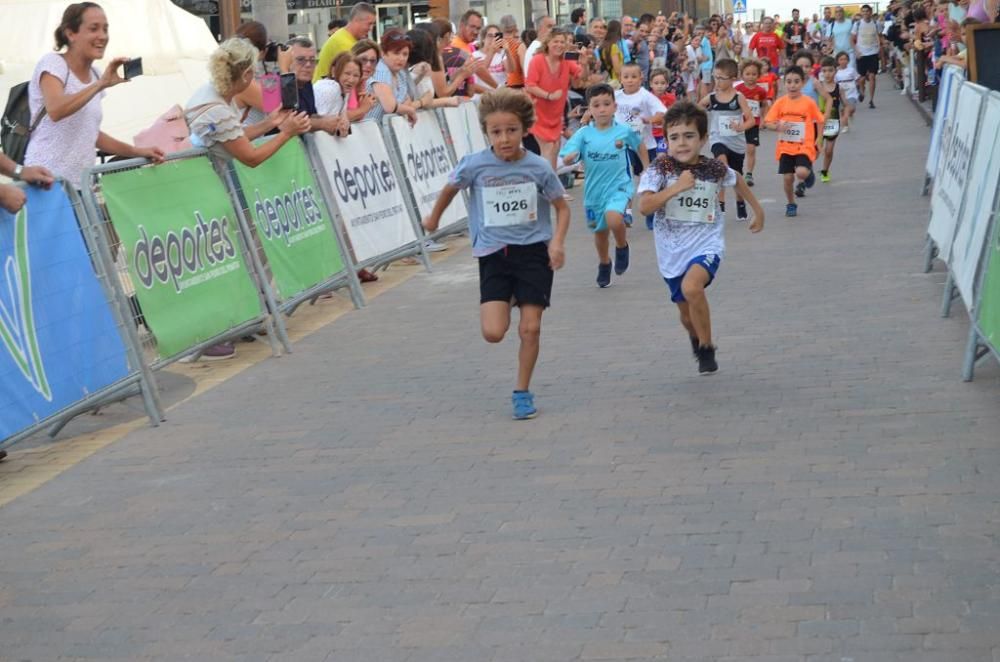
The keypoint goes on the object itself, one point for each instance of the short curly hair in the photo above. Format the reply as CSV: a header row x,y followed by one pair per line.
x,y
506,100
228,63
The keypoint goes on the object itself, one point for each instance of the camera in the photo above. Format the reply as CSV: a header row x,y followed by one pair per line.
x,y
271,51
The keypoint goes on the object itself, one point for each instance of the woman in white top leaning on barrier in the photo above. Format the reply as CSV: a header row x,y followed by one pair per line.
x,y
214,117
68,89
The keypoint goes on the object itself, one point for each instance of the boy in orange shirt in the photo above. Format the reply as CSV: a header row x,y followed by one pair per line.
x,y
795,117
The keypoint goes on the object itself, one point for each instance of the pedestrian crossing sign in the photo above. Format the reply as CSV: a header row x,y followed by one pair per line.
x,y
739,6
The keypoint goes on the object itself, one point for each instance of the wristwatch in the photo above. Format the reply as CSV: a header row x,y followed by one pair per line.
x,y
18,169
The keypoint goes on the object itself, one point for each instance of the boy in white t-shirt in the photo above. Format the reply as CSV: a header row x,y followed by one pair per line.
x,y
847,77
639,109
682,189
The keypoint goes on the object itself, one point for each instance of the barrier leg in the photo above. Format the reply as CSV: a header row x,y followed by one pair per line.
x,y
971,354
950,292
927,186
930,252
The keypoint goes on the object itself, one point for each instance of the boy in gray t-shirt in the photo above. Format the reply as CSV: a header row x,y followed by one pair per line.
x,y
510,190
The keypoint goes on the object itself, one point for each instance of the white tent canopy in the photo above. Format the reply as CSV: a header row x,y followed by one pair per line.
x,y
173,44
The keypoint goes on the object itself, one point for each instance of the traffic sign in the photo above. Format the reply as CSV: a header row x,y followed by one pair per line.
x,y
739,6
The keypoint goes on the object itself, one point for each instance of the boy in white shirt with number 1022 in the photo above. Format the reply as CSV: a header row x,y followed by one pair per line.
x,y
682,189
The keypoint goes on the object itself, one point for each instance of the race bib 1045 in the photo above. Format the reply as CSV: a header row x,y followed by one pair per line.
x,y
510,204
695,205
795,132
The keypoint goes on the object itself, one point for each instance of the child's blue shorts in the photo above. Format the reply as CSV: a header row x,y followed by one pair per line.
x,y
709,262
617,202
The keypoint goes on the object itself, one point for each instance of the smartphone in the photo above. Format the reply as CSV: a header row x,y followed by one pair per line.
x,y
572,55
289,92
133,68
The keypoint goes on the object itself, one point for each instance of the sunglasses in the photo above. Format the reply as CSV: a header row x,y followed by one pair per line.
x,y
398,36
306,61
368,60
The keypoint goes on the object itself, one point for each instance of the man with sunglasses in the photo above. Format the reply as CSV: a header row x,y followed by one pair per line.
x,y
303,65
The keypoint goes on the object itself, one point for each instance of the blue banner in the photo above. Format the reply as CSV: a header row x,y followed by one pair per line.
x,y
58,339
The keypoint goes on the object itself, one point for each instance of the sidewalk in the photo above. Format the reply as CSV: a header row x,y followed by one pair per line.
x,y
830,496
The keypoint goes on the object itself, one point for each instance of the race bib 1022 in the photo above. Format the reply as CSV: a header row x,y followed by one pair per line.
x,y
695,205
510,204
795,132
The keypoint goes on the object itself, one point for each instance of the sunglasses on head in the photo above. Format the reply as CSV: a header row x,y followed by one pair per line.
x,y
398,36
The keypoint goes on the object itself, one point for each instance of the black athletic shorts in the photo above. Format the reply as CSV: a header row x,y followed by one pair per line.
x,y
734,159
788,163
517,274
753,136
867,64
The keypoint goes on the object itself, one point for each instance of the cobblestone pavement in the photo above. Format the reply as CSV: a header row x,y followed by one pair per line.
x,y
830,496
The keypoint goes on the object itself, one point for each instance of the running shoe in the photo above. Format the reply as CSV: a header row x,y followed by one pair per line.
x,y
706,360
627,217
603,275
649,222
748,178
871,104
524,405
800,190
791,210
432,246
741,211
861,97
621,259
824,177
811,179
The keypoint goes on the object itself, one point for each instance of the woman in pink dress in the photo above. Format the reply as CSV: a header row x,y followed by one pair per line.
x,y
548,80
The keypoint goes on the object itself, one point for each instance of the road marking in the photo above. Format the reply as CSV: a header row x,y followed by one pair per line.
x,y
27,470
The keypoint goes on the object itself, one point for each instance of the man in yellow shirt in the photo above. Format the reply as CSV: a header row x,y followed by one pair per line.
x,y
359,26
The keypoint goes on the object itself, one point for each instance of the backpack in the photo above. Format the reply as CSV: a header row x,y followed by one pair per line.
x,y
16,126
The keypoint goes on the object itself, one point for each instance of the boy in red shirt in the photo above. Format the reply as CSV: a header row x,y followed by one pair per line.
x,y
659,85
795,117
768,45
757,97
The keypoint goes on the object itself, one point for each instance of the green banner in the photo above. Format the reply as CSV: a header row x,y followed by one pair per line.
x,y
989,307
291,219
180,235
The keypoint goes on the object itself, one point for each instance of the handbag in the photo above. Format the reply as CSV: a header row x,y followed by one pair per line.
x,y
169,132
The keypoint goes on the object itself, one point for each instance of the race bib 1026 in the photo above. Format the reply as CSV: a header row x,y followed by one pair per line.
x,y
510,204
695,205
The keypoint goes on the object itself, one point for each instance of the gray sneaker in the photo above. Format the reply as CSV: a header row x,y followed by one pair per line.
x,y
220,352
434,247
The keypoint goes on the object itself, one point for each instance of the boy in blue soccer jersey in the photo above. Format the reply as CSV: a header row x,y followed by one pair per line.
x,y
682,189
607,187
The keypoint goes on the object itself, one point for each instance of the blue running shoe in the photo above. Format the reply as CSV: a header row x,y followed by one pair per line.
x,y
603,275
524,405
621,259
791,210
627,217
811,179
649,222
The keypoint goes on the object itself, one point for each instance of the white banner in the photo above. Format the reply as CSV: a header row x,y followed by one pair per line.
x,y
426,164
980,198
951,81
465,130
950,180
365,190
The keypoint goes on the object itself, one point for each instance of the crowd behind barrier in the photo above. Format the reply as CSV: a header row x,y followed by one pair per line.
x,y
963,232
160,261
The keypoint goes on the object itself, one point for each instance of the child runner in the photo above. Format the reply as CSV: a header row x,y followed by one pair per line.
x,y
607,187
681,188
804,60
758,101
830,99
659,85
729,117
509,226
639,109
847,79
795,116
